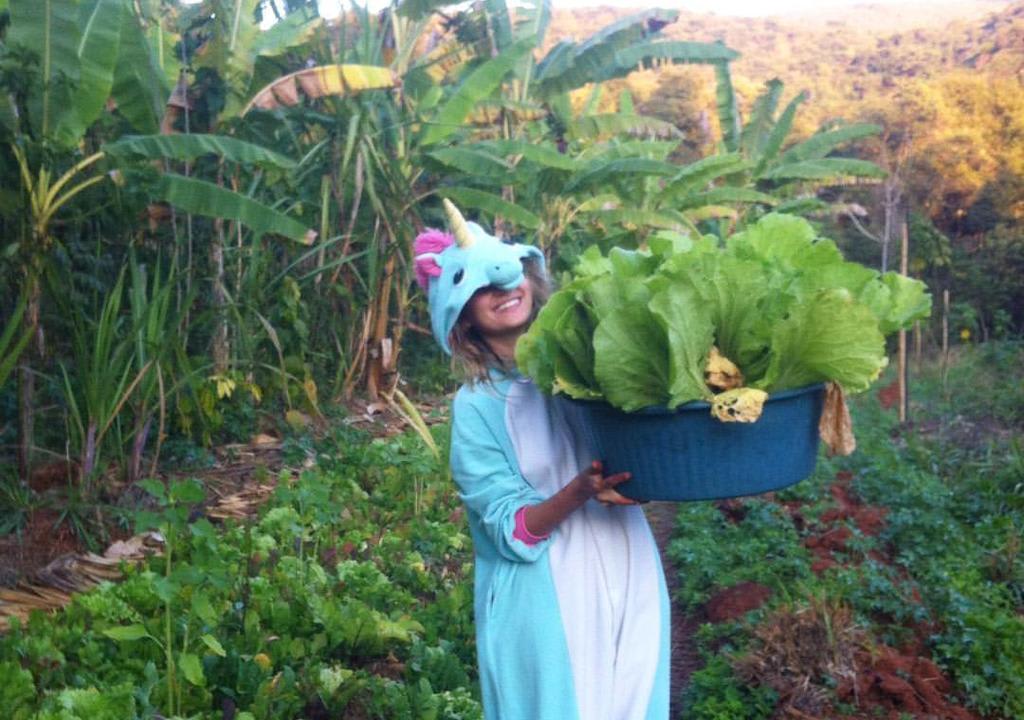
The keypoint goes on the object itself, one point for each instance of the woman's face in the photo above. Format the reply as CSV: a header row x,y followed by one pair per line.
x,y
500,315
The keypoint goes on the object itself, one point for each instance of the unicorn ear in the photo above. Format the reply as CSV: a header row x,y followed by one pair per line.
x,y
427,265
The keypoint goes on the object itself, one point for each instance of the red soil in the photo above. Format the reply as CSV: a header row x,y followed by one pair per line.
x,y
42,540
901,683
889,395
734,602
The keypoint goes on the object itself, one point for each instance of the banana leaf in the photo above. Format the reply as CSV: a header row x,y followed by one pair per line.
x,y
722,195
499,22
49,28
592,127
779,132
697,175
140,87
544,155
605,170
652,149
190,147
754,136
474,162
97,53
825,169
478,86
569,66
728,113
472,199
805,206
675,52
204,198
630,29
532,21
821,144
321,81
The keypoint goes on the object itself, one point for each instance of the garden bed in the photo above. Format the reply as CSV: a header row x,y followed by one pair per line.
x,y
889,585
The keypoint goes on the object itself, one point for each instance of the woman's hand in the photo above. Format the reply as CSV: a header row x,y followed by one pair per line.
x,y
593,483
544,517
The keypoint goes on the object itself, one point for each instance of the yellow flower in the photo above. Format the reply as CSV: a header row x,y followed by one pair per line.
x,y
965,334
263,660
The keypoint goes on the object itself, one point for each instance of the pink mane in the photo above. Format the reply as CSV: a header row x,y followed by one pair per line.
x,y
429,241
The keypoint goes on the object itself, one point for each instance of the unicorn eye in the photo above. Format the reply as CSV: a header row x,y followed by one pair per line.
x,y
457,278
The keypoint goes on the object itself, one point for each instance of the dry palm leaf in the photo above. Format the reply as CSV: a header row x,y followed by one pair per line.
x,y
322,81
50,588
443,60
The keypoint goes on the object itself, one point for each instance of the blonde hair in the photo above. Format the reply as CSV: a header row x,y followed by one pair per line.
x,y
472,358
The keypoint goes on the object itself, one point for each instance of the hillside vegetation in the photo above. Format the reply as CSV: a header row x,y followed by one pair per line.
x,y
957,87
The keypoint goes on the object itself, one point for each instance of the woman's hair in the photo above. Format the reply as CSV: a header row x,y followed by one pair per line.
x,y
472,357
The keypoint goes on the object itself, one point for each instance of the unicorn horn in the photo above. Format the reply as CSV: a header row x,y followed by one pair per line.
x,y
463,236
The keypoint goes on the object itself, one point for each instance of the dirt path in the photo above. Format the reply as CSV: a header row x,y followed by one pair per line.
x,y
685,660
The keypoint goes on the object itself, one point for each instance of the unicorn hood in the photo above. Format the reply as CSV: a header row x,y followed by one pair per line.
x,y
453,267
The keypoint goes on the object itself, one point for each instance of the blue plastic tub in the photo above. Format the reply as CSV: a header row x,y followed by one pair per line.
x,y
686,454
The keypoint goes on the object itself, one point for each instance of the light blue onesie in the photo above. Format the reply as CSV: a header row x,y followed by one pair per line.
x,y
576,626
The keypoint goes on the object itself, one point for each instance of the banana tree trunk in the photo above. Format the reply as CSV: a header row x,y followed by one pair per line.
x,y
382,350
220,349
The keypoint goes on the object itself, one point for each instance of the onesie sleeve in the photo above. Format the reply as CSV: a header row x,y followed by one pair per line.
x,y
489,485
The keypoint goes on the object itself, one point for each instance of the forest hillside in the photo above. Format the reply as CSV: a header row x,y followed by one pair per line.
x,y
953,81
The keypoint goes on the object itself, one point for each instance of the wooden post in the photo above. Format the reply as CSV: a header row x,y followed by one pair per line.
x,y
902,357
944,357
945,327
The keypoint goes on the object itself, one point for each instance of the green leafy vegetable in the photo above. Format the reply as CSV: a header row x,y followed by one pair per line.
x,y
635,328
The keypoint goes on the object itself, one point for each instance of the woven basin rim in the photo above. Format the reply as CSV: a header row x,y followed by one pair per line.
x,y
698,404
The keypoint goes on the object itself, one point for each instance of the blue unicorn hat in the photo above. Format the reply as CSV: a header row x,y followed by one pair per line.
x,y
453,267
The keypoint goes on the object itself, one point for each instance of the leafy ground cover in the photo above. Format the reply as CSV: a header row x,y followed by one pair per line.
x,y
891,584
350,595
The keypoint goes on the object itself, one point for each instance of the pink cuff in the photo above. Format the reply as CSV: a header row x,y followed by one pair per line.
x,y
520,532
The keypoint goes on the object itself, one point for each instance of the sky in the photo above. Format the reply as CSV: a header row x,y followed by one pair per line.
x,y
743,8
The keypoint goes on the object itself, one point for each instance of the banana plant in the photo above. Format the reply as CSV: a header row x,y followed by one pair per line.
x,y
767,163
226,53
208,199
580,167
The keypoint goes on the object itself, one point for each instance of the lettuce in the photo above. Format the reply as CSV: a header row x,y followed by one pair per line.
x,y
690,333
635,328
833,337
631,351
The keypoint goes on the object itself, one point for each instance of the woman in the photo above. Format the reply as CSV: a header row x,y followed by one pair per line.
x,y
571,609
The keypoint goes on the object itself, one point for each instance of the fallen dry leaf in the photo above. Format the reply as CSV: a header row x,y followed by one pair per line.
x,y
263,440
